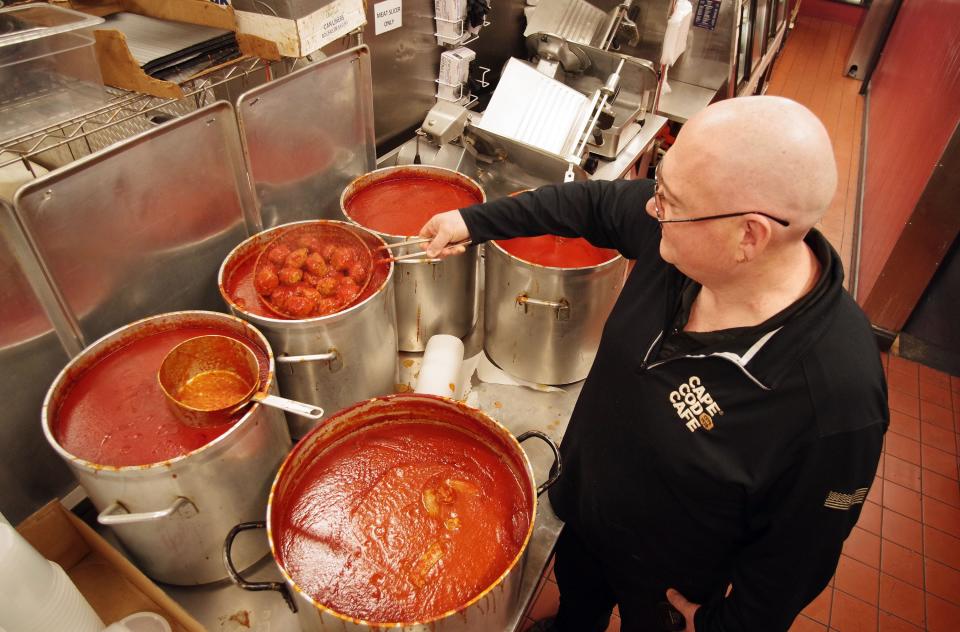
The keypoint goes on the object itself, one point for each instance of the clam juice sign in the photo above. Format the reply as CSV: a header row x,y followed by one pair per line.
x,y
388,15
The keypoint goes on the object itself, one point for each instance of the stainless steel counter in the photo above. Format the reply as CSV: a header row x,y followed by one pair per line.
x,y
684,100
634,150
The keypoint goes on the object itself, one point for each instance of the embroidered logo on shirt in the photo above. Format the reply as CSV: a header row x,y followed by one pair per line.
x,y
694,405
843,502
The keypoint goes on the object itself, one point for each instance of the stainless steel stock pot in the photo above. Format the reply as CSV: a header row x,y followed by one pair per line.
x,y
489,610
541,323
328,361
434,296
172,516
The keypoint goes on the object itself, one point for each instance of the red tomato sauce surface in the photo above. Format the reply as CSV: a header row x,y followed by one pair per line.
x,y
115,413
401,522
557,252
403,205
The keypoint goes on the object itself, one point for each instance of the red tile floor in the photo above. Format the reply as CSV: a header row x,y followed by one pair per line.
x,y
900,568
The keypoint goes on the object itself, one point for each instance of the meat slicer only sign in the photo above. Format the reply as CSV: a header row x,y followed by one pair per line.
x,y
388,15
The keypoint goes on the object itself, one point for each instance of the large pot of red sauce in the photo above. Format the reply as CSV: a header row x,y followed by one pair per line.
x,y
545,304
170,492
434,296
409,512
330,361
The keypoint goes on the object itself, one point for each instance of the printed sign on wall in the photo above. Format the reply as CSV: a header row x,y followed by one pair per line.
x,y
706,14
331,23
387,15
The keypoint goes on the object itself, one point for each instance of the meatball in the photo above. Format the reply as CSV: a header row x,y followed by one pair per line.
x,y
300,306
327,250
311,279
358,273
278,254
290,276
343,259
296,259
328,306
309,292
309,242
316,265
348,290
266,280
280,297
328,286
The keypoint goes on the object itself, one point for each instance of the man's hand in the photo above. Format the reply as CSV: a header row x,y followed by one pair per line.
x,y
445,228
686,608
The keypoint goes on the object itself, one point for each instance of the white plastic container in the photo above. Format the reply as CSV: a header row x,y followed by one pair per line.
x,y
48,70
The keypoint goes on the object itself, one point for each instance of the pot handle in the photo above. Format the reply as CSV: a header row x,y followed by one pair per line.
x,y
562,306
235,576
557,466
332,356
112,515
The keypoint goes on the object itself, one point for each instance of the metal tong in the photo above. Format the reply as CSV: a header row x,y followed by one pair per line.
x,y
413,242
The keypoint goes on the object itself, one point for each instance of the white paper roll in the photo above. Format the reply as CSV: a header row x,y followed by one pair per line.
x,y
440,370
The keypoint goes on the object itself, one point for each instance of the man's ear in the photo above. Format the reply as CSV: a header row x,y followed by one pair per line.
x,y
754,238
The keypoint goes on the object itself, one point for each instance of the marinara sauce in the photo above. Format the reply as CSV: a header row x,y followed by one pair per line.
x,y
401,522
115,413
401,206
557,252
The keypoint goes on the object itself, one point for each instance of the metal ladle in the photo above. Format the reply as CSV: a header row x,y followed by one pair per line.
x,y
234,361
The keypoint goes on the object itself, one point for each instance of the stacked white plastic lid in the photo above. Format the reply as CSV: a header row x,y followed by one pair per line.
x,y
36,595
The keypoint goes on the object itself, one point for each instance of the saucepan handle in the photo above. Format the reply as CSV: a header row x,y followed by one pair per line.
x,y
290,406
238,579
117,513
562,306
332,356
557,466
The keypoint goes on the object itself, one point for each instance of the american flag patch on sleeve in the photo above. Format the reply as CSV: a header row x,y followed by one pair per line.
x,y
843,502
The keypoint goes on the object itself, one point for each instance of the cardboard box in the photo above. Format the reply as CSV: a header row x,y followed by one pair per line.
x,y
454,73
113,586
301,36
120,69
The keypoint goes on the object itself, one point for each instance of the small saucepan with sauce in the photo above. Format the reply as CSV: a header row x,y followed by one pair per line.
x,y
209,379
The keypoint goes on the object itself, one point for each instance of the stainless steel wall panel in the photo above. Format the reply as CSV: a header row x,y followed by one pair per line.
x,y
706,61
307,135
31,356
141,228
406,62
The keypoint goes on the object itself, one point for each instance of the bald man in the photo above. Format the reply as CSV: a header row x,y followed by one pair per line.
x,y
729,430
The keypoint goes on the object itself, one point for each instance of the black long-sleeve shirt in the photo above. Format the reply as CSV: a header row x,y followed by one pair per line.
x,y
743,461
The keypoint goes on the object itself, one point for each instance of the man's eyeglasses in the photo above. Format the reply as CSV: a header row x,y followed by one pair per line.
x,y
658,206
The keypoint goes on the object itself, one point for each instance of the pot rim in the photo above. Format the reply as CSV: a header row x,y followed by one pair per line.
x,y
267,320
47,416
384,171
511,439
537,266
